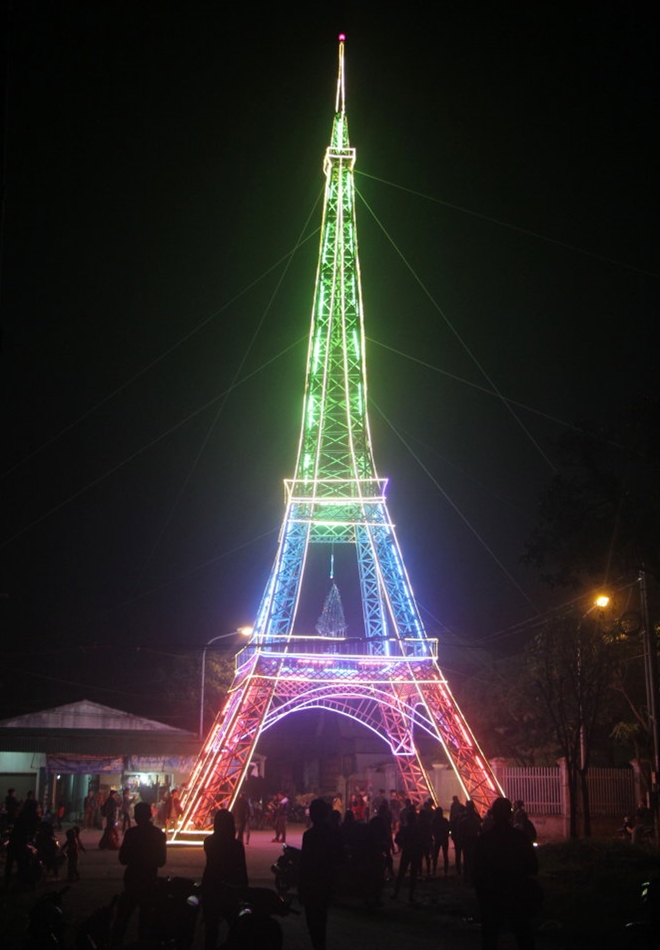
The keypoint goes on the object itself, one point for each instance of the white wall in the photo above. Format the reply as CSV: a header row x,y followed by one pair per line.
x,y
445,784
20,770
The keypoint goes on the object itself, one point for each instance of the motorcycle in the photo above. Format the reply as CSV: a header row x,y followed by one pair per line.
x,y
173,919
642,934
636,832
175,907
46,923
255,927
286,869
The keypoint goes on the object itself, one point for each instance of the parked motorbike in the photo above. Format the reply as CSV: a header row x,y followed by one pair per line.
x,y
173,920
636,832
255,927
94,932
642,933
46,924
175,908
286,869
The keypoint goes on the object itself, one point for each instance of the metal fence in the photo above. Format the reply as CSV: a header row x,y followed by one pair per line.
x,y
538,787
611,791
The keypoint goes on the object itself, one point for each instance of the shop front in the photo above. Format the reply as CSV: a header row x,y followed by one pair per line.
x,y
66,753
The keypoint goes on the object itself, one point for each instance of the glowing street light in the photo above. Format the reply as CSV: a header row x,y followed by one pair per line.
x,y
244,631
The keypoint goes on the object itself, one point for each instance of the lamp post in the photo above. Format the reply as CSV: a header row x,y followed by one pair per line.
x,y
245,631
651,676
633,624
600,602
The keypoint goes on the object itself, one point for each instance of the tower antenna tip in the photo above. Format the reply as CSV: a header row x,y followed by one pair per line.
x,y
342,37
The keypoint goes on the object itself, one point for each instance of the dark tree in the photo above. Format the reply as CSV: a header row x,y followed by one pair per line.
x,y
599,524
176,680
501,703
599,519
573,663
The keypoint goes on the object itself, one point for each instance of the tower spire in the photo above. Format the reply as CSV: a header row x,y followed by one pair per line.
x,y
340,101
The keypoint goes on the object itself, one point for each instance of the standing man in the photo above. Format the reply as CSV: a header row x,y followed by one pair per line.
x,y
456,810
20,841
504,872
468,830
176,809
395,812
281,816
242,813
110,837
440,832
410,843
142,851
126,803
12,805
320,856
89,807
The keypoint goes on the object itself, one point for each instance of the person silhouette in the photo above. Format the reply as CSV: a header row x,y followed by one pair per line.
x,y
72,849
468,829
320,856
48,848
12,805
410,842
19,844
456,809
440,832
281,815
143,851
242,813
224,878
504,869
125,809
110,837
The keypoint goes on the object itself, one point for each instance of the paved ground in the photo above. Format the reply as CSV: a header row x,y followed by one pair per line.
x,y
442,919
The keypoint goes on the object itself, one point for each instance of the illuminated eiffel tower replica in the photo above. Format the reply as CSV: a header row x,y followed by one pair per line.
x,y
388,679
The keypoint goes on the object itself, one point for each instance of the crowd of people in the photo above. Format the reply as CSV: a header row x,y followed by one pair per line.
x,y
351,847
33,848
99,805
354,848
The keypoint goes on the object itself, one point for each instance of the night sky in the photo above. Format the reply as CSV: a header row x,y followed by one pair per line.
x,y
162,161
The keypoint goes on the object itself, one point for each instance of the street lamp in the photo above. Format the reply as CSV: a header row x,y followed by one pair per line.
x,y
246,632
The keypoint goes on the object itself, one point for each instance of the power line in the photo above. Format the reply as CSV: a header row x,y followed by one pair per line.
x,y
462,342
165,353
512,227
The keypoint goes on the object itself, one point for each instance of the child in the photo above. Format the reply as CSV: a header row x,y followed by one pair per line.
x,y
48,848
72,848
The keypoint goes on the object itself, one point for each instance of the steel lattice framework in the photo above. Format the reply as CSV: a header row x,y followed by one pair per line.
x,y
388,679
